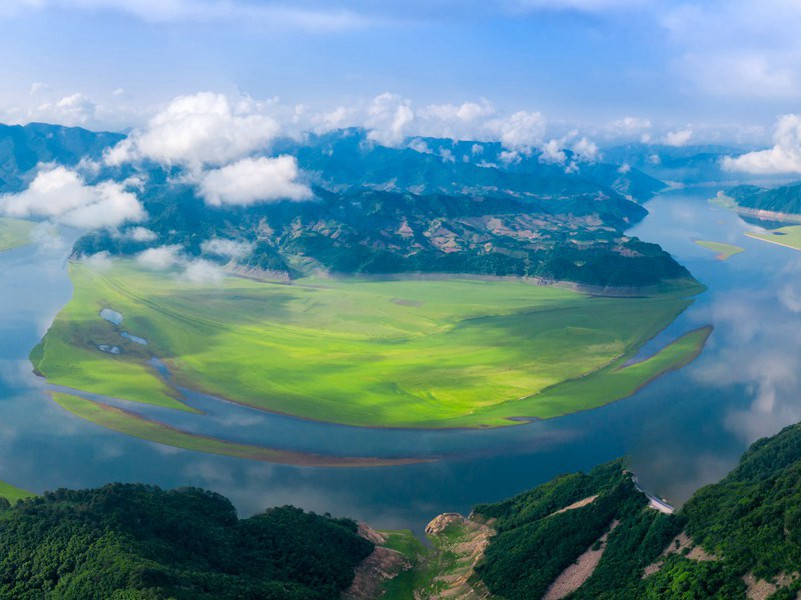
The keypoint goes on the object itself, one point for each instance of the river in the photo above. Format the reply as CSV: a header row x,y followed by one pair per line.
x,y
686,429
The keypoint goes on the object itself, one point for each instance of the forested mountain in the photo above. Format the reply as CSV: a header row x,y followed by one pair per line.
x,y
782,199
578,238
730,539
347,158
580,536
129,542
22,148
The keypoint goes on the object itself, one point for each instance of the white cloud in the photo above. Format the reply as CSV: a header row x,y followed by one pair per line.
x,y
163,257
388,120
141,234
552,152
586,150
680,137
227,248
783,157
100,261
254,180
203,271
198,130
628,128
61,195
521,131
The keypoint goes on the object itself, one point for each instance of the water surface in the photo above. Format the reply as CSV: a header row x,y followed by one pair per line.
x,y
684,430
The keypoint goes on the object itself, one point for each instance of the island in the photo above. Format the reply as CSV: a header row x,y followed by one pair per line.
x,y
427,353
724,251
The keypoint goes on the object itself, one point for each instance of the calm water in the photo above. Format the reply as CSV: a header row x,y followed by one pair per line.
x,y
684,430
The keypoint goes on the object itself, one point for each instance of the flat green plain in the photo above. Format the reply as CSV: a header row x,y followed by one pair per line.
x,y
789,237
126,422
724,251
14,233
411,353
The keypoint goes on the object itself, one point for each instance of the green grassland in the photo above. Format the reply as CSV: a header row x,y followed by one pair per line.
x,y
784,236
12,494
410,353
128,423
14,233
723,250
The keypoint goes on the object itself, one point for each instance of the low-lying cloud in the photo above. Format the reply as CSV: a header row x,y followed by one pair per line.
x,y
254,180
783,157
62,196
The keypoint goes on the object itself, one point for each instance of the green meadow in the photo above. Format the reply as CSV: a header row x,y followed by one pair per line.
x,y
14,232
411,353
12,493
784,236
128,423
724,251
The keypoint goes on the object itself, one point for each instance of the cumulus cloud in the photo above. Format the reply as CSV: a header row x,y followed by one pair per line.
x,y
161,258
198,130
680,137
61,195
226,248
586,150
783,157
522,131
141,234
254,180
552,153
75,109
388,120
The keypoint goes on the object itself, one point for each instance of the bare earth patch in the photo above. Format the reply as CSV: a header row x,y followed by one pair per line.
x,y
575,505
759,589
678,545
382,565
468,548
576,574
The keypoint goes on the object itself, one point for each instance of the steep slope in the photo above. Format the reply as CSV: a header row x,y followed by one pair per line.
x,y
140,542
593,536
783,199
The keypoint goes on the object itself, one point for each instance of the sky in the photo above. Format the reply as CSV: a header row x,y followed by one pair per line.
x,y
664,70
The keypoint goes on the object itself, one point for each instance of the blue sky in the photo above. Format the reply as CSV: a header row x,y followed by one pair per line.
x,y
723,69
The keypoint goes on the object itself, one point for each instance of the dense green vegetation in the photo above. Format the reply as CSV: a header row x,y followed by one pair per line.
x,y
576,238
724,251
420,353
14,232
129,423
748,524
129,542
535,543
781,199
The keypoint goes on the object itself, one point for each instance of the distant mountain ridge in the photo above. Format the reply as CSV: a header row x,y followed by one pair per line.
x,y
23,147
455,207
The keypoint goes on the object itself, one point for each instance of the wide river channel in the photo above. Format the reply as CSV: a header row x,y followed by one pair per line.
x,y
684,430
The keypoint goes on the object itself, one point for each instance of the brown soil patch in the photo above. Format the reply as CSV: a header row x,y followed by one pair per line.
x,y
382,565
576,574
